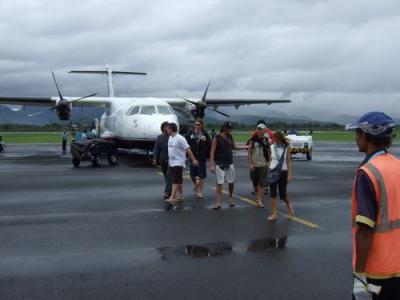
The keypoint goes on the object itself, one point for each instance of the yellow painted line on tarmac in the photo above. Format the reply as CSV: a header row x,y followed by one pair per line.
x,y
293,218
302,221
184,176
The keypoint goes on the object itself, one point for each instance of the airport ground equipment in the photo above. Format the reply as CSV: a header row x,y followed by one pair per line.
x,y
2,144
94,150
301,144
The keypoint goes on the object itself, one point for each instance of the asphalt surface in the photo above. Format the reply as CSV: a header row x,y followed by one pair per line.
x,y
104,233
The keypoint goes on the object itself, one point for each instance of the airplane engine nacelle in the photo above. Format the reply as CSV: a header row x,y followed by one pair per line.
x,y
64,110
198,112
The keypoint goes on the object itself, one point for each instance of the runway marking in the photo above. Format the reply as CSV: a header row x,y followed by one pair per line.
x,y
293,218
254,203
184,176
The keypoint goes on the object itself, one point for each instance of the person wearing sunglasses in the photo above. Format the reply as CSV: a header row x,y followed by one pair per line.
x,y
200,144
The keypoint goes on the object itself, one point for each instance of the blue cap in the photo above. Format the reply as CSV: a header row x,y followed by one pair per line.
x,y
375,123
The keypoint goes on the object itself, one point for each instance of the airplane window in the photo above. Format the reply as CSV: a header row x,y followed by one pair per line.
x,y
163,109
134,111
148,110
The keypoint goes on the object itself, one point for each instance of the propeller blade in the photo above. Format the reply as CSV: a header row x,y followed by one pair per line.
x,y
203,99
36,113
220,112
91,95
190,101
58,89
57,106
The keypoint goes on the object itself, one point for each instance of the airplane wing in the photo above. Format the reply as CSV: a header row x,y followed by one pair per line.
x,y
214,102
36,101
51,101
238,102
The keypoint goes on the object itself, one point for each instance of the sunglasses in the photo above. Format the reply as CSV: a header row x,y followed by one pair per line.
x,y
197,124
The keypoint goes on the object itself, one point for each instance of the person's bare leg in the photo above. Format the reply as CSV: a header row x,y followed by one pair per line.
x,y
231,187
200,187
289,206
172,197
180,192
274,209
260,196
256,192
218,195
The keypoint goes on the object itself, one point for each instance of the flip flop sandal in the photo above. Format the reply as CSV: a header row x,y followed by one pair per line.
x,y
216,207
169,202
232,205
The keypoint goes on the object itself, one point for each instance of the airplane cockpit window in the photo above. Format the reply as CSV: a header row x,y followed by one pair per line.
x,y
134,110
163,109
148,110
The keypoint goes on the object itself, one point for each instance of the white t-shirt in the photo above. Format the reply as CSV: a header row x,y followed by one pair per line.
x,y
276,153
177,146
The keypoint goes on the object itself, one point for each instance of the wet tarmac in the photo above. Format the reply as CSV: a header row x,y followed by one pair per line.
x,y
104,233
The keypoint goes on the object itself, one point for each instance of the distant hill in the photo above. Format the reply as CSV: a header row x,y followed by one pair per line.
x,y
7,116
247,117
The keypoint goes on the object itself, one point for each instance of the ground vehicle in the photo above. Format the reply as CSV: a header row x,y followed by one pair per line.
x,y
301,144
94,150
2,144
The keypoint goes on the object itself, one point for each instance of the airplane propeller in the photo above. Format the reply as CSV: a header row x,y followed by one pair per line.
x,y
202,106
63,107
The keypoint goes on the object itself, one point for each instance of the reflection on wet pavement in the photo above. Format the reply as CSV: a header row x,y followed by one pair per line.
x,y
213,249
221,248
262,244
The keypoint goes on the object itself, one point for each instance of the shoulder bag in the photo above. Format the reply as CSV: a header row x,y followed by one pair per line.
x,y
274,174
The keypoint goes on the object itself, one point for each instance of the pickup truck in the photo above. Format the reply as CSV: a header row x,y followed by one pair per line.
x,y
301,144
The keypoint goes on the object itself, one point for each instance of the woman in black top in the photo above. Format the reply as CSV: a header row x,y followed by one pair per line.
x,y
200,144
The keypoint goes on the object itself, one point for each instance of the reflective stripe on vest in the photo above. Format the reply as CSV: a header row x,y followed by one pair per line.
x,y
383,225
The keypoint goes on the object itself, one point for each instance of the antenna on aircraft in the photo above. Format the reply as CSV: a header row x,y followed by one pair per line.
x,y
109,72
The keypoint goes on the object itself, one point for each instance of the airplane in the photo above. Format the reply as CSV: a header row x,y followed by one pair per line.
x,y
133,122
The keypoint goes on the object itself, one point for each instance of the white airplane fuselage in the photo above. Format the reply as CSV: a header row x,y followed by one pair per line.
x,y
135,123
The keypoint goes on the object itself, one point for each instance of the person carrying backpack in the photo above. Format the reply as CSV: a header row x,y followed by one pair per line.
x,y
259,156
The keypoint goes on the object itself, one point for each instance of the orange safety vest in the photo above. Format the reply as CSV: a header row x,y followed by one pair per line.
x,y
384,257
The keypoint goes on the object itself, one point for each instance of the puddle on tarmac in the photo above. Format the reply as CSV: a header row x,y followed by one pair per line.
x,y
222,248
262,244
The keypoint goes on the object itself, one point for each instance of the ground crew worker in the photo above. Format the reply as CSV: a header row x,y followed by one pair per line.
x,y
376,211
64,139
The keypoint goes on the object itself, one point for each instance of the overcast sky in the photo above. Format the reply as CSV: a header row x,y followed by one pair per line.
x,y
330,56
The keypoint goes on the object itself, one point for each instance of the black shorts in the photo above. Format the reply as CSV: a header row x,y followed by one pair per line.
x,y
177,174
281,184
258,176
198,171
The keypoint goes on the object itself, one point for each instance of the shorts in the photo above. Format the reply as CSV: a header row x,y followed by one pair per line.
x,y
225,175
198,171
177,174
281,184
258,176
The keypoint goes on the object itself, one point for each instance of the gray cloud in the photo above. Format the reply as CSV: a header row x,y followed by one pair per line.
x,y
333,56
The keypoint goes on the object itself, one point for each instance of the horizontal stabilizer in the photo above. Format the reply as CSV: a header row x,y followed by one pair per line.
x,y
106,72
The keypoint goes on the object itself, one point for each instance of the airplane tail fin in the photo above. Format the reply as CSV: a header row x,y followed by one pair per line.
x,y
109,72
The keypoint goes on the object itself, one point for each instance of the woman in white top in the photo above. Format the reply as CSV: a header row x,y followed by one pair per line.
x,y
281,147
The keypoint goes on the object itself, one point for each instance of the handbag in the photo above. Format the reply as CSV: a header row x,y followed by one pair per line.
x,y
274,174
